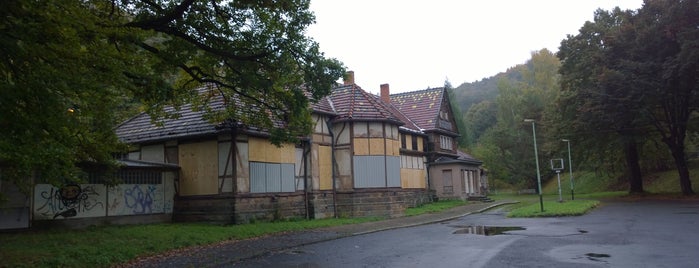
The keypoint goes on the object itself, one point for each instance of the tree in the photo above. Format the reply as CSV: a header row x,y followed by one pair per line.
x,y
594,98
507,145
662,64
67,66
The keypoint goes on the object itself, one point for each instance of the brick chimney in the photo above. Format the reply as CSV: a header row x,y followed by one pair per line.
x,y
349,78
385,93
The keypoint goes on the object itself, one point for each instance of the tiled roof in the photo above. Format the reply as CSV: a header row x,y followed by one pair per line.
x,y
189,122
462,158
323,106
141,129
353,103
414,111
422,106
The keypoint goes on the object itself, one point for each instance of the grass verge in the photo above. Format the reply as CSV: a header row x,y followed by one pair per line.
x,y
110,245
434,207
554,209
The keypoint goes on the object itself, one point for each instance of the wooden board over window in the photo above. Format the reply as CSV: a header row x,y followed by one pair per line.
x,y
199,163
261,150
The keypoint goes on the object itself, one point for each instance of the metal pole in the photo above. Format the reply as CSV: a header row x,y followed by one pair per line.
x,y
570,167
560,197
536,158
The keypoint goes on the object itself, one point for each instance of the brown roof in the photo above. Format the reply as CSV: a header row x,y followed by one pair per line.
x,y
351,102
188,121
422,106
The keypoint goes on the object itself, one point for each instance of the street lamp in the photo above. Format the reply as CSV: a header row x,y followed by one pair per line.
x,y
570,167
536,157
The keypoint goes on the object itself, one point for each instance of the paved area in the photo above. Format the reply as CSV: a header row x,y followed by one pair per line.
x,y
230,252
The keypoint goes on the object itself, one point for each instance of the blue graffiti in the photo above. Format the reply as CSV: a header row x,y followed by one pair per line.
x,y
139,200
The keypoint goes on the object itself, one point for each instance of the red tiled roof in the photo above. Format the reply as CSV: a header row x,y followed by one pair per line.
x,y
422,106
353,103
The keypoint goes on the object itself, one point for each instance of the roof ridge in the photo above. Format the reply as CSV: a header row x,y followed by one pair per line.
x,y
417,91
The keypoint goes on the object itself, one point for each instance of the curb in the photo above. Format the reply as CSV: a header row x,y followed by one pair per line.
x,y
436,220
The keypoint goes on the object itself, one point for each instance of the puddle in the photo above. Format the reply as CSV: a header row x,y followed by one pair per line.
x,y
487,230
597,256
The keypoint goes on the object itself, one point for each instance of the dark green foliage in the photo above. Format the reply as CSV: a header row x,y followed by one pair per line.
x,y
72,70
633,74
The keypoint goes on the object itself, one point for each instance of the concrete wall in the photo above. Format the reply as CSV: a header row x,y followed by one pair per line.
x,y
98,200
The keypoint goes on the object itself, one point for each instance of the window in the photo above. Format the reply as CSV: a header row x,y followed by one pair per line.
x,y
415,142
446,142
376,171
271,177
412,162
402,141
447,181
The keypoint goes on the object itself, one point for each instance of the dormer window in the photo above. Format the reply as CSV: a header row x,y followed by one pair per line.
x,y
443,115
446,142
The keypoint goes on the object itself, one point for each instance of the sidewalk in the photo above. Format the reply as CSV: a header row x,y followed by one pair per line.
x,y
230,252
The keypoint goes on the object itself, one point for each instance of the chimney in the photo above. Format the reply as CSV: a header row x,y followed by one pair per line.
x,y
349,78
385,93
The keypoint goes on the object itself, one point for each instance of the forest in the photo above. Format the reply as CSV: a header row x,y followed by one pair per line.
x,y
623,93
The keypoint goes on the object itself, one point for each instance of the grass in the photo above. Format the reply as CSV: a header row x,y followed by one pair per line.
x,y
434,207
554,209
110,245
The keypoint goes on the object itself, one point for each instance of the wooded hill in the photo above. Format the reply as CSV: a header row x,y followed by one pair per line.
x,y
624,92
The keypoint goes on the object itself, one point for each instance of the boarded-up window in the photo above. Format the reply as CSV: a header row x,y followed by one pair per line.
x,y
199,173
447,181
325,167
225,167
376,171
271,177
153,153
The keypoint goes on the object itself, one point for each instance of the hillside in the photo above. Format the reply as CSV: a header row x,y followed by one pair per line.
x,y
588,182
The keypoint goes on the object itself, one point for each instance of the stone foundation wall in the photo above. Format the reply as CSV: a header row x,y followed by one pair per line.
x,y
269,207
246,208
379,202
210,208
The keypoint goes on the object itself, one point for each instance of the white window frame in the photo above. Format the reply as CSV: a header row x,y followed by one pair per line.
x,y
446,142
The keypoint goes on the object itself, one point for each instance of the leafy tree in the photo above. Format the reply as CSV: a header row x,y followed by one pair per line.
x,y
635,72
594,97
68,66
661,62
458,116
479,118
507,146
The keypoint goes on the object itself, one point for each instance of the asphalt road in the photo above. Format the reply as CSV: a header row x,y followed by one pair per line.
x,y
617,234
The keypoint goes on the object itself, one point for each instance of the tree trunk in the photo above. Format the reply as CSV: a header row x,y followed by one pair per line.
x,y
683,170
634,169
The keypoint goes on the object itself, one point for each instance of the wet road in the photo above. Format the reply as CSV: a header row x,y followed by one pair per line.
x,y
618,234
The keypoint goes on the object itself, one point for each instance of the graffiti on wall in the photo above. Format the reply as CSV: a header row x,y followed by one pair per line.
x,y
136,199
98,200
72,200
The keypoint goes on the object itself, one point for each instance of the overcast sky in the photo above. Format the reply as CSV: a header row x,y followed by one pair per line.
x,y
413,45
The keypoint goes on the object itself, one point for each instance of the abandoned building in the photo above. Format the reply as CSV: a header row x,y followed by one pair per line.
x,y
368,155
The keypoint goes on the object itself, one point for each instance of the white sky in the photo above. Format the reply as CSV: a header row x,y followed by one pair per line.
x,y
413,45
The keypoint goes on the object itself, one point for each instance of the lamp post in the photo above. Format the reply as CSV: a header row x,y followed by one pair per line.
x,y
536,157
570,167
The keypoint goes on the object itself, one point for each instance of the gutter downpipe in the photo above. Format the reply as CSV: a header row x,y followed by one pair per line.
x,y
332,161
